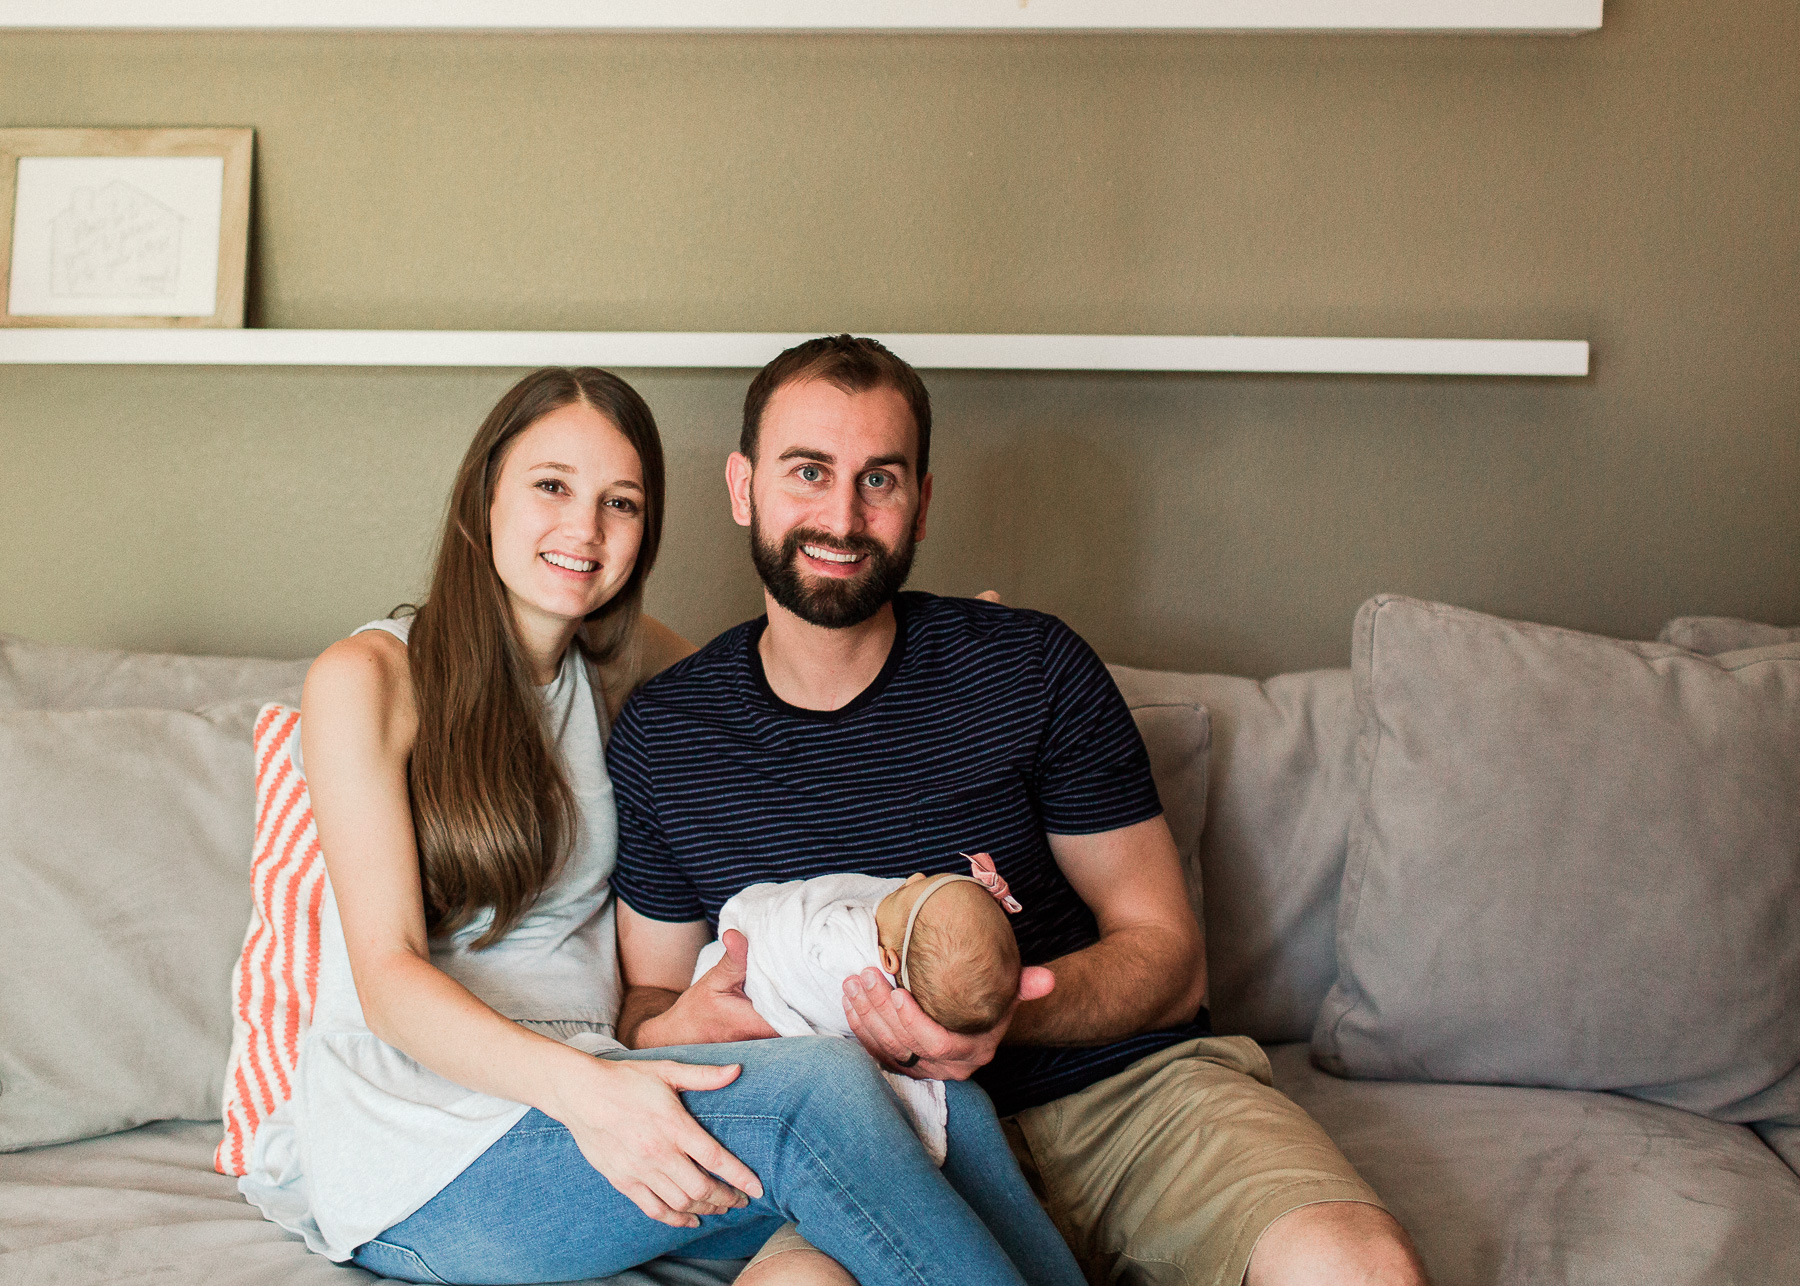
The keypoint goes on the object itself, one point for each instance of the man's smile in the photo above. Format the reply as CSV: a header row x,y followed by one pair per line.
x,y
831,555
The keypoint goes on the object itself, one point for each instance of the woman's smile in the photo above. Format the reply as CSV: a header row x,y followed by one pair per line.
x,y
570,563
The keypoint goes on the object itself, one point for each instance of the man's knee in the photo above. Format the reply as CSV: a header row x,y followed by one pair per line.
x,y
1341,1242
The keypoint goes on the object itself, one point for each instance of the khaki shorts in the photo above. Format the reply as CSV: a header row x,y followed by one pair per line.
x,y
1171,1170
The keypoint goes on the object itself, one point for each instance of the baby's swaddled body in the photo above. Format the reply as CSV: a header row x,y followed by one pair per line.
x,y
807,936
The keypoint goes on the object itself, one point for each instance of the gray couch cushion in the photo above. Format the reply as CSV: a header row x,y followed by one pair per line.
x,y
53,676
146,1207
1280,793
1711,635
124,859
1784,1139
1577,863
1529,1187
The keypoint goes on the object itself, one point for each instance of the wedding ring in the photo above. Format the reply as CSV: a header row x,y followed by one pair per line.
x,y
911,1060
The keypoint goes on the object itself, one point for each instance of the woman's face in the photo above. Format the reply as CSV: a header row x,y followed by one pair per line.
x,y
567,516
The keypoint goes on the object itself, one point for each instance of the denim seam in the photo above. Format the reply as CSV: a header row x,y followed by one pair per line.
x,y
411,1257
788,1129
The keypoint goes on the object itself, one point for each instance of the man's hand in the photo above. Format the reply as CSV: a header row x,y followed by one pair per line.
x,y
713,1010
893,1028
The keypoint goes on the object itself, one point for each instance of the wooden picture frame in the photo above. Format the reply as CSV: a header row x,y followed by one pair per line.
x,y
117,227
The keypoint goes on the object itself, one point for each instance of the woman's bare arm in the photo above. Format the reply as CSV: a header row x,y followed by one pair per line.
x,y
357,731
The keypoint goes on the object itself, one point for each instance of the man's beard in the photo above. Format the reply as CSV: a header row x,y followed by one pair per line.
x,y
832,603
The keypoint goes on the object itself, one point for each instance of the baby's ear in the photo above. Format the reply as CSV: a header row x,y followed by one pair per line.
x,y
890,961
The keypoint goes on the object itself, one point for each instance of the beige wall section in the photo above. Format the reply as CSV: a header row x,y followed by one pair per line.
x,y
1639,187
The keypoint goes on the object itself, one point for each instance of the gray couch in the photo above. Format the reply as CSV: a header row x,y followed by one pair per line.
x,y
1446,872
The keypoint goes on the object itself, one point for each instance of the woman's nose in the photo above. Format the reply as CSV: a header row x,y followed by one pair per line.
x,y
585,525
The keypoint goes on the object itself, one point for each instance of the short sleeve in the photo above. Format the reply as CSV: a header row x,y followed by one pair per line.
x,y
1093,772
648,877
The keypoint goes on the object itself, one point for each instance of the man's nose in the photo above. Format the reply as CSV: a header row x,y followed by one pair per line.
x,y
841,512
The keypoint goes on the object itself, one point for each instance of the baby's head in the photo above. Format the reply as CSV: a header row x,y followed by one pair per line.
x,y
962,961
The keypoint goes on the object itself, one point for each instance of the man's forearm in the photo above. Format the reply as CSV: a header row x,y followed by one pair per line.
x,y
640,1006
1134,979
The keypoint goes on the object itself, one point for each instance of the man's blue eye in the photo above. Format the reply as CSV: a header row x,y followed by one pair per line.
x,y
809,473
877,480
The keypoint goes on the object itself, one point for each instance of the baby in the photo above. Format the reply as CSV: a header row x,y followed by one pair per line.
x,y
944,938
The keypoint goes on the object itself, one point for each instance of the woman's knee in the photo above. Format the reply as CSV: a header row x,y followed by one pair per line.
x,y
820,1071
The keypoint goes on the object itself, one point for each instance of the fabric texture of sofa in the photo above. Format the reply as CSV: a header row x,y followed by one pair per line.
x,y
1567,974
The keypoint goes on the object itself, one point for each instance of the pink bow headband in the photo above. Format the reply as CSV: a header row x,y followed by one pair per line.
x,y
983,871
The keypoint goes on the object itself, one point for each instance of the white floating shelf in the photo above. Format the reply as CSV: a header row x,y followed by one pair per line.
x,y
750,349
1522,16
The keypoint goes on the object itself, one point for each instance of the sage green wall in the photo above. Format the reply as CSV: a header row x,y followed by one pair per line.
x,y
1639,188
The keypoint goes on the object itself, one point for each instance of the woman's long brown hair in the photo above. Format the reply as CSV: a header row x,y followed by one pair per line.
x,y
492,812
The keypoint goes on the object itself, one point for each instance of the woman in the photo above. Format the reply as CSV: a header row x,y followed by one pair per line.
x,y
450,1120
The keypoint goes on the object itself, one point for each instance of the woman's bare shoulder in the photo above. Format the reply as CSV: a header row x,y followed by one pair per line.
x,y
362,681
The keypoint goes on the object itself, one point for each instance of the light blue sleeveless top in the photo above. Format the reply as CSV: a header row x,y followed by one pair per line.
x,y
369,1135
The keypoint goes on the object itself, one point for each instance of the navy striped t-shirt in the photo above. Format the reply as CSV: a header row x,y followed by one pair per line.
x,y
987,727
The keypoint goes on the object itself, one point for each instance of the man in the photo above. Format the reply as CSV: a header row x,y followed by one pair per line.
x,y
862,729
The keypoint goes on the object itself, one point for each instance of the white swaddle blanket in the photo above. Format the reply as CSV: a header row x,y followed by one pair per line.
x,y
806,937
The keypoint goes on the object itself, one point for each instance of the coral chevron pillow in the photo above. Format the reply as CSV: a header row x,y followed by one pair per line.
x,y
276,979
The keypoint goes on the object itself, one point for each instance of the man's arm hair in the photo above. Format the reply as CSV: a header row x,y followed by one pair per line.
x,y
656,959
1148,968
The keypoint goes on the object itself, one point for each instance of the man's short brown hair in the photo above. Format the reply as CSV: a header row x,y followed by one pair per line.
x,y
853,364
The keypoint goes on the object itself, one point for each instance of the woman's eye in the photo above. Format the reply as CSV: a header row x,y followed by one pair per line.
x,y
549,484
623,504
810,473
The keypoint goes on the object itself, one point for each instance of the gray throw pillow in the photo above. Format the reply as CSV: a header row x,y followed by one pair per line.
x,y
1278,823
124,858
1711,635
1576,864
1178,736
1271,854
55,676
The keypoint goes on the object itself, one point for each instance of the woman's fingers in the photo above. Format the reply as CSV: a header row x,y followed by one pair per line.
x,y
689,1134
644,1198
692,1076
697,1187
682,1188
713,1155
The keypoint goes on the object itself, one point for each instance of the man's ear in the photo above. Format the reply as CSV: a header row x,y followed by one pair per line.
x,y
737,481
924,504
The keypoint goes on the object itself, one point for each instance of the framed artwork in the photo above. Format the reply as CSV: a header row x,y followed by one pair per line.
x,y
123,227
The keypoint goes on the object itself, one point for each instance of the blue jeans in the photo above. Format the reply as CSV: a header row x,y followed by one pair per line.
x,y
813,1118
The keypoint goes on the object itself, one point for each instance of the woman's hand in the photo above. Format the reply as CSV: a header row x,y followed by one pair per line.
x,y
631,1126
